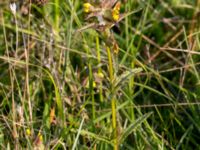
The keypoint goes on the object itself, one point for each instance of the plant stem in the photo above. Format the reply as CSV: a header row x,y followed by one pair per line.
x,y
59,102
57,15
91,90
26,52
110,64
113,100
99,69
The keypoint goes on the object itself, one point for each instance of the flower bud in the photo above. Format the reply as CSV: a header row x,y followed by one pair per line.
x,y
87,7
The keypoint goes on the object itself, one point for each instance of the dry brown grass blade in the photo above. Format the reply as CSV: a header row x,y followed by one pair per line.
x,y
108,3
91,25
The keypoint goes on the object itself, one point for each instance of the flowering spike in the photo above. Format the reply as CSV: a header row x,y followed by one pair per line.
x,y
105,16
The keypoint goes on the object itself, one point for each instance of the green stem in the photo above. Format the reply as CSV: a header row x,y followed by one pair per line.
x,y
113,100
99,69
131,89
57,15
110,64
91,90
59,102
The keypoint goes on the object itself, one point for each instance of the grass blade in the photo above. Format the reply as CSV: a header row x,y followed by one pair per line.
x,y
133,126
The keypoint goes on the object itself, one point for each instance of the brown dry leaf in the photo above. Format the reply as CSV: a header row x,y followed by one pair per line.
x,y
107,3
52,116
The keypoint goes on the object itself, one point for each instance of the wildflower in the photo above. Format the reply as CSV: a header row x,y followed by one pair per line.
x,y
116,12
100,74
13,8
38,143
28,132
87,7
105,16
94,85
40,137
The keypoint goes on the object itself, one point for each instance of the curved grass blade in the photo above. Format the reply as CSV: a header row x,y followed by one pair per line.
x,y
133,126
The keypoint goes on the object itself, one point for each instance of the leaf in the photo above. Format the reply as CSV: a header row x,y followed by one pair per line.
x,y
184,136
91,25
93,135
133,126
124,15
124,76
108,114
78,134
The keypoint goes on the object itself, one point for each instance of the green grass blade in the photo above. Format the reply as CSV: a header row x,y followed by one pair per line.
x,y
133,126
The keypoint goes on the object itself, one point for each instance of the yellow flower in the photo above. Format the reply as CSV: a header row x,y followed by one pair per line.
x,y
116,11
28,132
38,143
94,85
100,75
87,7
40,138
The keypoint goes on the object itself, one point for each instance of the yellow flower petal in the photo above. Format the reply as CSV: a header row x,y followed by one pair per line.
x,y
116,11
87,7
28,132
94,85
40,137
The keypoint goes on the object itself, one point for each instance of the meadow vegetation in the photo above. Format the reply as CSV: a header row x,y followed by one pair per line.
x,y
64,84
